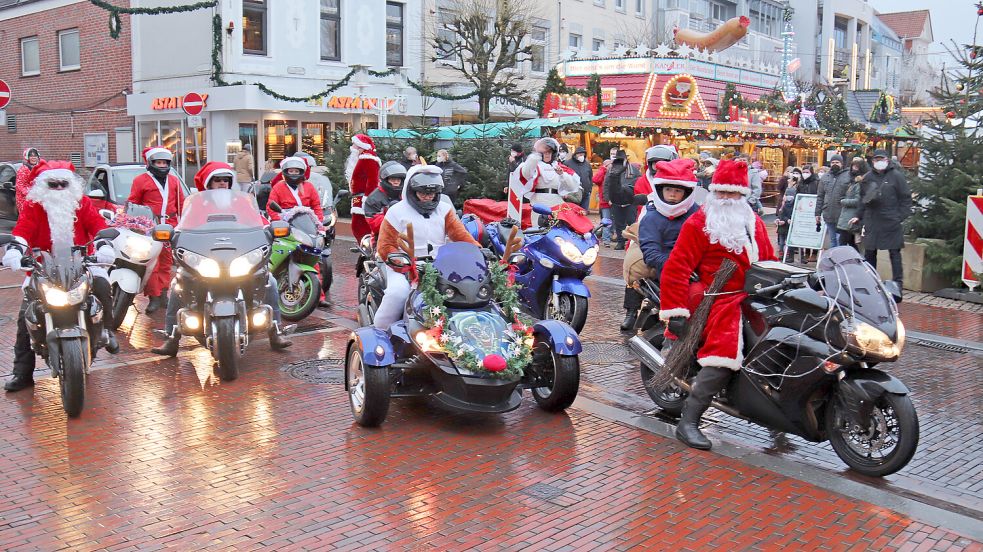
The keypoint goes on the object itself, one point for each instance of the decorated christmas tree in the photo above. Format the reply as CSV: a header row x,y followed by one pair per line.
x,y
951,165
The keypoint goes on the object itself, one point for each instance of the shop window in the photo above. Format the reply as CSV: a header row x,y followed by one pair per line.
x,y
69,54
394,34
331,30
280,139
254,26
313,140
30,56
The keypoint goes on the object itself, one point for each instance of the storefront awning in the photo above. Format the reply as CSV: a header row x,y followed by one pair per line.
x,y
533,128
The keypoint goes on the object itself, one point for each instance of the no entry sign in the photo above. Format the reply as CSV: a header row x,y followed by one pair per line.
x,y
193,103
4,94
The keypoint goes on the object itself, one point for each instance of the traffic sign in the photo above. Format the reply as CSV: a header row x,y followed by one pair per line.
x,y
193,103
195,121
4,94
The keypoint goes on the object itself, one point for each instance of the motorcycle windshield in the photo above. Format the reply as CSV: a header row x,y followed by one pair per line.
x,y
305,223
134,210
62,267
220,211
857,288
459,261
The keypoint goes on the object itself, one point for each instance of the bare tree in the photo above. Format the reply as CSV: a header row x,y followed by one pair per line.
x,y
484,41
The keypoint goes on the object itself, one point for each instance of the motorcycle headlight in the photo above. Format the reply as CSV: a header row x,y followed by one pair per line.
x,y
590,255
207,267
244,264
302,237
138,247
867,340
57,297
569,250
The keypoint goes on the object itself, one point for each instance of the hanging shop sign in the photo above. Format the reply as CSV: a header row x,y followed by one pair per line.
x,y
758,117
568,104
678,96
609,97
176,102
361,103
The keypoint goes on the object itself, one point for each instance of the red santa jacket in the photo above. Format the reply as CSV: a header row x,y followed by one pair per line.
x,y
145,192
599,176
284,197
365,179
22,185
32,224
693,252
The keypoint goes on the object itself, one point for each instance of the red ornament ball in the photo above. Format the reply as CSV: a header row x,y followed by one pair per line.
x,y
494,363
950,114
972,55
979,11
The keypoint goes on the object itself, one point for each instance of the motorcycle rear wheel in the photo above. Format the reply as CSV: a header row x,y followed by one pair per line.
x,y
669,398
893,419
72,377
298,303
226,349
562,375
121,305
568,308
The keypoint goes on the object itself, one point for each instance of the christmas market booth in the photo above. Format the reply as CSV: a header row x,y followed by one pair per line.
x,y
695,101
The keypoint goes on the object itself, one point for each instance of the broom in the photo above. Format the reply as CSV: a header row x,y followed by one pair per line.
x,y
681,354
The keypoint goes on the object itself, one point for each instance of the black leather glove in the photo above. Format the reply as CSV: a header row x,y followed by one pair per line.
x,y
675,325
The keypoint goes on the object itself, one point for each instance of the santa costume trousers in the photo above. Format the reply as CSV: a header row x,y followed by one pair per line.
x,y
722,341
360,227
160,279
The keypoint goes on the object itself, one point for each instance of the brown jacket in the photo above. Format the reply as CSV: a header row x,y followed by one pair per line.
x,y
389,237
243,166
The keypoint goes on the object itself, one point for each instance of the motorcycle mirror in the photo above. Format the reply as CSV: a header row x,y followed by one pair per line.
x,y
108,233
517,258
274,206
806,300
280,228
640,199
893,289
96,194
106,214
342,194
163,232
6,239
541,209
398,260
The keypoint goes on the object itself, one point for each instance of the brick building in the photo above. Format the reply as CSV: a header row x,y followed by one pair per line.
x,y
68,78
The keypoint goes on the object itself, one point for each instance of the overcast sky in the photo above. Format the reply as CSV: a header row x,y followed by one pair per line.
x,y
951,20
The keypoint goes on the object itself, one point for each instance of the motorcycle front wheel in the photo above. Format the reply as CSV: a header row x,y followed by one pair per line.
x,y
121,305
227,349
885,446
368,390
299,301
562,377
568,308
72,377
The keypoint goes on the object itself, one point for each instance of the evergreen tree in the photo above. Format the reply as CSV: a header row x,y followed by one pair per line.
x,y
951,160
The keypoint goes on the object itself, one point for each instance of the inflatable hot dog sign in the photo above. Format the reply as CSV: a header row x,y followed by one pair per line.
x,y
721,38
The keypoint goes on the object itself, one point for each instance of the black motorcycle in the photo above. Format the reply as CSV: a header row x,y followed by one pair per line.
x,y
63,317
811,341
222,249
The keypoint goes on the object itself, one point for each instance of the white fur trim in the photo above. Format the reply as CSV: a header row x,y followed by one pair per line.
x,y
357,211
745,190
358,142
669,181
54,174
370,156
666,314
721,362
216,172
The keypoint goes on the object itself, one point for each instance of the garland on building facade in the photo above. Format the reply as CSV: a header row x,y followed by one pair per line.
x,y
116,23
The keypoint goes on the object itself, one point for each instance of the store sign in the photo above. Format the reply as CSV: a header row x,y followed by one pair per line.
x,y
361,103
678,96
668,66
623,66
172,102
568,104
609,96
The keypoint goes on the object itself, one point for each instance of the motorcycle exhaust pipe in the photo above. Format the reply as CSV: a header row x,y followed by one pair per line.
x,y
653,357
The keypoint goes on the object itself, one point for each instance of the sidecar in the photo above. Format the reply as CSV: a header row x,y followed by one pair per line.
x,y
412,359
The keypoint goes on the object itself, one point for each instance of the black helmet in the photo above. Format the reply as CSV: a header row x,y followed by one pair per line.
x,y
425,179
550,144
658,153
389,170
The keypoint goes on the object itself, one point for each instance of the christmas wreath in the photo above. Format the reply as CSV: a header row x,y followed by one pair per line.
x,y
465,354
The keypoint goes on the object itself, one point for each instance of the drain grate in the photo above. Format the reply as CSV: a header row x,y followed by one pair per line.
x,y
543,491
606,353
323,370
948,347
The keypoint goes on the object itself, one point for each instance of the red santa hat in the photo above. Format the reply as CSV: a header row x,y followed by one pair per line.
x,y
364,142
731,176
29,151
152,153
678,172
52,170
212,169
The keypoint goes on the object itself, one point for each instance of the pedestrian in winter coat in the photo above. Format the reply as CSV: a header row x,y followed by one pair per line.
x,y
849,203
809,183
831,190
245,168
453,174
784,215
410,158
885,202
602,201
623,212
581,166
705,174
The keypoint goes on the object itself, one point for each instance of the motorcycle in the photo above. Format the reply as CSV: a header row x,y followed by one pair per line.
x,y
136,257
294,262
62,316
222,250
555,261
409,361
811,341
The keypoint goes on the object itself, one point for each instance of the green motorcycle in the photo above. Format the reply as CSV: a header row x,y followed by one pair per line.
x,y
294,263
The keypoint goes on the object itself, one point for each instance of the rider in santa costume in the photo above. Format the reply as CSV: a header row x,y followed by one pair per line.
x,y
153,189
724,228
362,173
294,190
57,214
541,178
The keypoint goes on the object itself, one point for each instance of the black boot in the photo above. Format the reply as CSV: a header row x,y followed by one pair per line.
x,y
708,382
110,343
629,322
168,347
19,381
155,304
278,341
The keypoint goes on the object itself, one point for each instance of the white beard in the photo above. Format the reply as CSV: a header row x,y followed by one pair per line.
x,y
60,206
350,164
730,222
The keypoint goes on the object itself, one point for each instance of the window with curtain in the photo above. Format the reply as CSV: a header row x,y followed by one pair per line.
x,y
69,50
394,34
331,30
254,27
30,56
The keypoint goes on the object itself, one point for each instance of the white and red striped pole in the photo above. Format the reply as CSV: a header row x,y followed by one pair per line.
x,y
973,244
